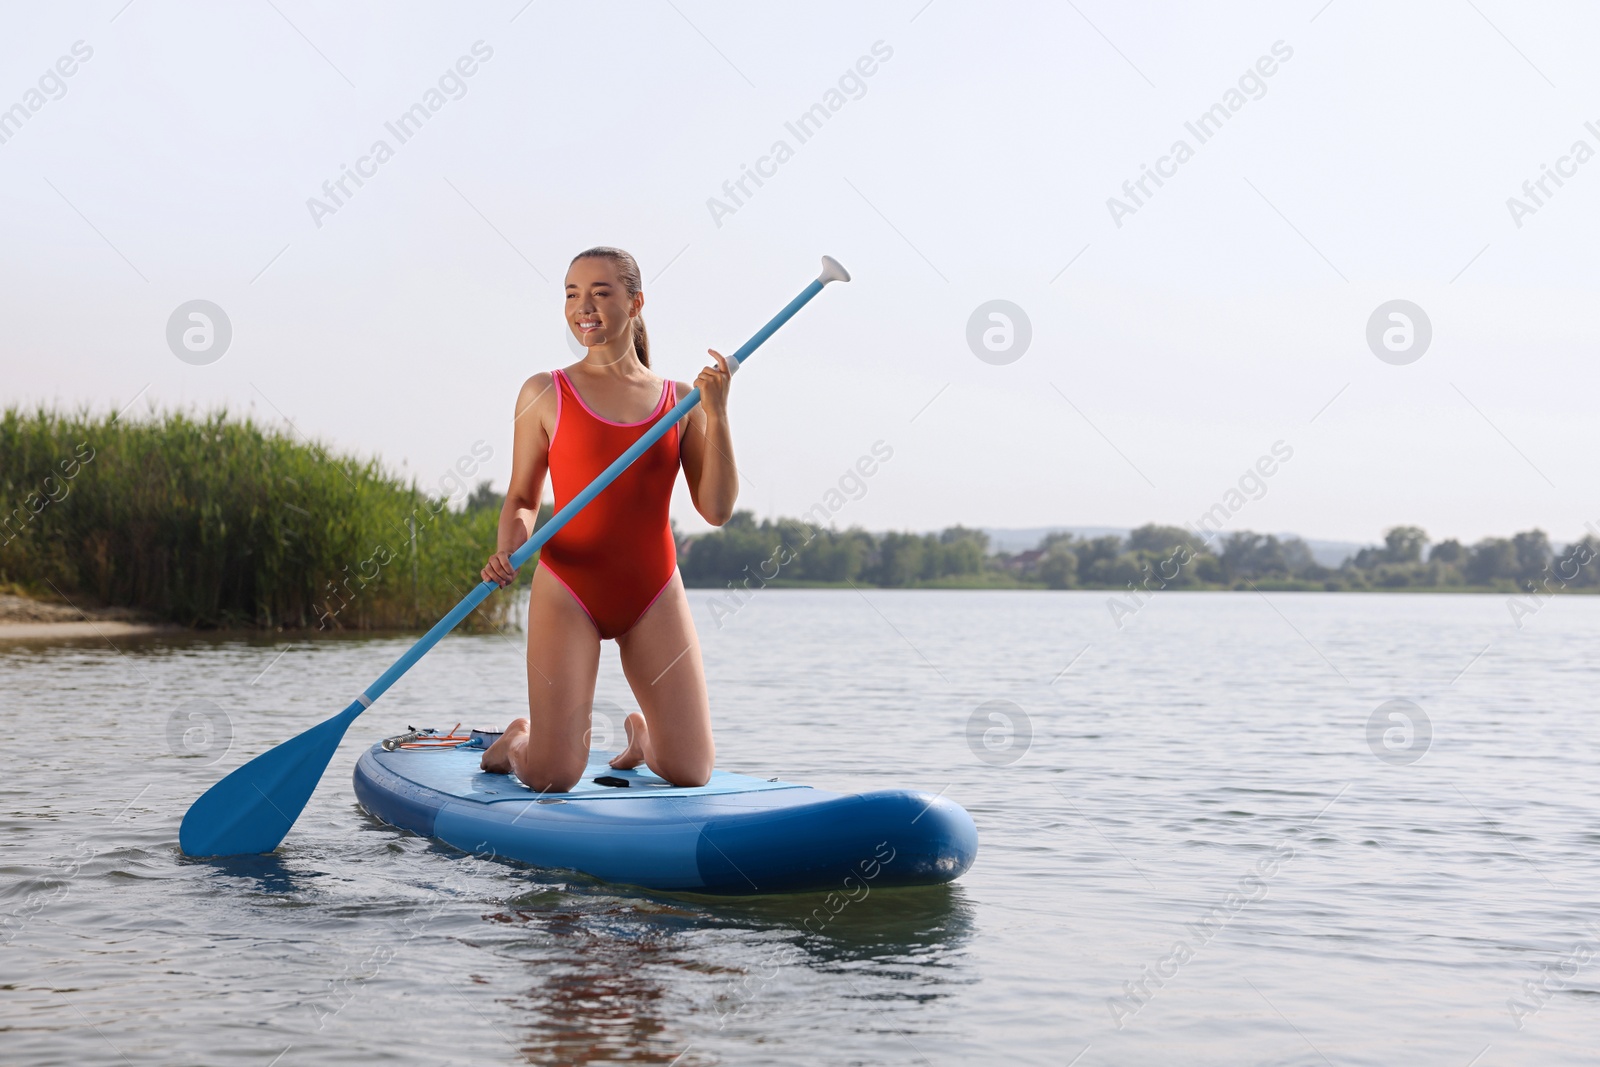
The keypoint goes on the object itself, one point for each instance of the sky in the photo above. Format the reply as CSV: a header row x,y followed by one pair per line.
x,y
1178,337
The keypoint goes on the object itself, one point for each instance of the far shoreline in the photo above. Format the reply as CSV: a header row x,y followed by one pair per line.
x,y
51,631
1026,587
23,619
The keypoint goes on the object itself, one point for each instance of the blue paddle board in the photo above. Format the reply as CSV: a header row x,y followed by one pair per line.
x,y
734,835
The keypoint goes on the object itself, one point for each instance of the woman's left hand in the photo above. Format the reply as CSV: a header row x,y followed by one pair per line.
x,y
713,385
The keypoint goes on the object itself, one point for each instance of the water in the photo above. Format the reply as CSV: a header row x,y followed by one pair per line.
x,y
1211,758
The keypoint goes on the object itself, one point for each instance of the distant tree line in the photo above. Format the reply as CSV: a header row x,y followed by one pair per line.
x,y
1179,558
789,551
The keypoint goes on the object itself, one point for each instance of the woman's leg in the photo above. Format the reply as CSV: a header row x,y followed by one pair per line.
x,y
661,658
549,749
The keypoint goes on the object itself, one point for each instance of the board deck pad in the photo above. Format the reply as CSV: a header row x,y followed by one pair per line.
x,y
455,772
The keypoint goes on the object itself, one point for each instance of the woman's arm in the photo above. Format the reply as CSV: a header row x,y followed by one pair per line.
x,y
708,447
530,460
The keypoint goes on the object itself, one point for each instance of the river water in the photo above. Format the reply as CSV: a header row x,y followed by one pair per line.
x,y
1286,829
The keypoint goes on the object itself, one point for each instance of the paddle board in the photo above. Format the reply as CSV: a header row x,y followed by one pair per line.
x,y
736,834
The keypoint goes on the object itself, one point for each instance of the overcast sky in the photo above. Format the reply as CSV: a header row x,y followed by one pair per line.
x,y
971,156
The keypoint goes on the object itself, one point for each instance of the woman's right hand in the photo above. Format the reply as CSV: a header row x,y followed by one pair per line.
x,y
499,569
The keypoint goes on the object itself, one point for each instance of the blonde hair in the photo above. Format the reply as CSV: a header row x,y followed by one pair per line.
x,y
628,275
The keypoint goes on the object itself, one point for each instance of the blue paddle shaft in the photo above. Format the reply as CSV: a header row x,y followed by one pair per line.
x,y
565,515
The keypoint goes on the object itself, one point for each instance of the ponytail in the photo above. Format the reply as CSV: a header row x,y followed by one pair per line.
x,y
628,275
641,340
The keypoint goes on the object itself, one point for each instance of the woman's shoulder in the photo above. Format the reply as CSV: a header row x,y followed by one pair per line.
x,y
536,388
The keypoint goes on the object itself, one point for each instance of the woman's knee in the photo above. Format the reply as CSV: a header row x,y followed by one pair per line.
x,y
684,772
544,774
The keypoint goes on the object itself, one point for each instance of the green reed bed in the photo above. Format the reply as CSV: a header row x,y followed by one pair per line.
x,y
216,521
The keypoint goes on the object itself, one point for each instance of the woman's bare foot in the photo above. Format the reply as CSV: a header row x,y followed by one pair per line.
x,y
497,757
638,733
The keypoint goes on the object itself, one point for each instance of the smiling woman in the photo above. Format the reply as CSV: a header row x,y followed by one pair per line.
x,y
611,573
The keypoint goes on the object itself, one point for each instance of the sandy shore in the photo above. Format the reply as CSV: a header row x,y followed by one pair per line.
x,y
25,619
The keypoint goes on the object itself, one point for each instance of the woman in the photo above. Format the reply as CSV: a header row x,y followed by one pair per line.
x,y
611,573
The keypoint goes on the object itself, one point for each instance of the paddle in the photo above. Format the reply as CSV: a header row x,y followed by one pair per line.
x,y
254,807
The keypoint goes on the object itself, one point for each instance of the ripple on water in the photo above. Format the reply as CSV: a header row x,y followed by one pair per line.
x,y
1201,777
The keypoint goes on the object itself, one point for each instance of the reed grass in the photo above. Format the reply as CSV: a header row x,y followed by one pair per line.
x,y
216,521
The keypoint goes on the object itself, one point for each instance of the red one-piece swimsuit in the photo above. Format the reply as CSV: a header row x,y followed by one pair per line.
x,y
616,556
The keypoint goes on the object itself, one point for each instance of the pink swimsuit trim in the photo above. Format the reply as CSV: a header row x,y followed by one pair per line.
x,y
612,422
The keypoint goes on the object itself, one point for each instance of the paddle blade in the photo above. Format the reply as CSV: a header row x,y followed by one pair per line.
x,y
253,808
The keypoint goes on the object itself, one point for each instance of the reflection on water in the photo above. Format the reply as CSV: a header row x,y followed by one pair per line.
x,y
1163,760
617,972
267,875
607,997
